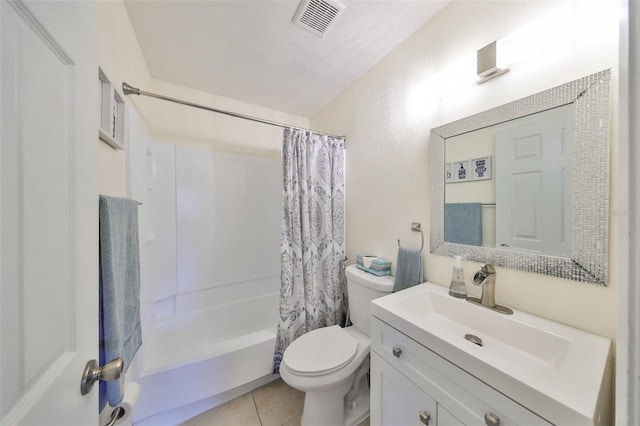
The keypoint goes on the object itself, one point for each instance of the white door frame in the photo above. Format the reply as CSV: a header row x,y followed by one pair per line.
x,y
628,336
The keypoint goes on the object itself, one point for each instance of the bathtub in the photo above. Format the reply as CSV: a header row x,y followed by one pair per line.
x,y
209,355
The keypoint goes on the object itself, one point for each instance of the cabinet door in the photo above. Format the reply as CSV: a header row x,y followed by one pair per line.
x,y
395,400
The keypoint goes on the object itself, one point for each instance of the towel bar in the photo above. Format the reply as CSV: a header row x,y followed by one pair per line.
x,y
416,227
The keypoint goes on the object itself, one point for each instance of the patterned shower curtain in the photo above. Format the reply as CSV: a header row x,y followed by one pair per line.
x,y
312,247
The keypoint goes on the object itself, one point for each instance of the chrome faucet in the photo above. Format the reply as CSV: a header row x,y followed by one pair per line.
x,y
486,278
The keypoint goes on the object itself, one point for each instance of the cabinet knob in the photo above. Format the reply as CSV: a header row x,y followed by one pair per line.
x,y
491,419
425,417
396,351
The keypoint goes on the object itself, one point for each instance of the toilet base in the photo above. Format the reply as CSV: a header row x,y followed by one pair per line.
x,y
348,404
316,413
324,408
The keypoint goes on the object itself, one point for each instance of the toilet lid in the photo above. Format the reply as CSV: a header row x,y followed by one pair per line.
x,y
320,351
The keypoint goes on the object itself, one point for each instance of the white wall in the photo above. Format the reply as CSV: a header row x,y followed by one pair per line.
x,y
121,59
228,214
429,81
209,224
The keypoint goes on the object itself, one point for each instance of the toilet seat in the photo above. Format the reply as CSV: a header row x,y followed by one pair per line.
x,y
320,352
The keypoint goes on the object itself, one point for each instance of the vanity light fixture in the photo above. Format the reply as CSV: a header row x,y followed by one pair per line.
x,y
488,65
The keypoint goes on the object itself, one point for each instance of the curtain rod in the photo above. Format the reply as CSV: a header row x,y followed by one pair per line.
x,y
130,90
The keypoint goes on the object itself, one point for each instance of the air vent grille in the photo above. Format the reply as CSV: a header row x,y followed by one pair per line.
x,y
317,16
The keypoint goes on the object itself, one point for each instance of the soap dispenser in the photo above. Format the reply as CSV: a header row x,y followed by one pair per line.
x,y
457,287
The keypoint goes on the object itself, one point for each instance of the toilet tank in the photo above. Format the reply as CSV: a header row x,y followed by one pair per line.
x,y
362,288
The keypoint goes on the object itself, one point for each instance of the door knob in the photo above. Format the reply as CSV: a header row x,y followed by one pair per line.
x,y
396,351
93,372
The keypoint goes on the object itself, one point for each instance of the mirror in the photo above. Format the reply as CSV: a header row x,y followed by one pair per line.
x,y
525,185
509,185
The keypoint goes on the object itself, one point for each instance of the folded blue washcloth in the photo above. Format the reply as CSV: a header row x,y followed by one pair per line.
x,y
120,333
378,266
408,269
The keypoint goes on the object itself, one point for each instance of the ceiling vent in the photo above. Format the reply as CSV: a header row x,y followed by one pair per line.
x,y
317,16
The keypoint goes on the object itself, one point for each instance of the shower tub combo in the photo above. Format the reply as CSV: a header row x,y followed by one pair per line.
x,y
210,275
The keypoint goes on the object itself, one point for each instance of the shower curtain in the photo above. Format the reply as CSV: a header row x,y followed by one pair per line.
x,y
312,247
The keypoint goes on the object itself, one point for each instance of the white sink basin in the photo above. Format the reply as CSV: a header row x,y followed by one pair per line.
x,y
546,366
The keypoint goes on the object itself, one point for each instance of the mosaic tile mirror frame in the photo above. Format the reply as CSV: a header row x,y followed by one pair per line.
x,y
591,96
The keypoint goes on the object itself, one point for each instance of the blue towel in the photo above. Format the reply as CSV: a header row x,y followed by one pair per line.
x,y
120,333
463,223
408,269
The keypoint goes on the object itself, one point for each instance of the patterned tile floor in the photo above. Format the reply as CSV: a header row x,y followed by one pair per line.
x,y
274,404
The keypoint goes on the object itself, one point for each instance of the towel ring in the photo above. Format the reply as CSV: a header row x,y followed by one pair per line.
x,y
416,227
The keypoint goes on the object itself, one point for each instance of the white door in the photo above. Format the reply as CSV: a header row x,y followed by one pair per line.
x,y
533,183
48,211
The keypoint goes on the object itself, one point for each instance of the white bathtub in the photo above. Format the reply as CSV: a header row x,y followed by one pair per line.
x,y
205,355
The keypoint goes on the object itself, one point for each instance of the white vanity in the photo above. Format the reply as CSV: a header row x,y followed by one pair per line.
x,y
509,369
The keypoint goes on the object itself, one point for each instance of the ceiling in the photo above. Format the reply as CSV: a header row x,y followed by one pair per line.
x,y
251,51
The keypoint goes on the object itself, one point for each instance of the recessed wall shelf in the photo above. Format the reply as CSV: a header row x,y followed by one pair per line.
x,y
111,122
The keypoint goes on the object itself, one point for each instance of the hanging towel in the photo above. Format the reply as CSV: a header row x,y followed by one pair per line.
x,y
120,333
463,223
408,269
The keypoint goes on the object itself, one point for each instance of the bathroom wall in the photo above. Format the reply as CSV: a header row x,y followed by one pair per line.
x,y
121,59
209,224
228,215
429,81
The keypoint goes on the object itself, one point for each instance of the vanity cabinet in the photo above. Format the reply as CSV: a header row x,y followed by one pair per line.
x,y
398,401
411,385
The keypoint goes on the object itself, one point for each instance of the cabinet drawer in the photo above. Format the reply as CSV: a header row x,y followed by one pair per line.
x,y
466,398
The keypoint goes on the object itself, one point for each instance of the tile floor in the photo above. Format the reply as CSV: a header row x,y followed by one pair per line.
x,y
274,404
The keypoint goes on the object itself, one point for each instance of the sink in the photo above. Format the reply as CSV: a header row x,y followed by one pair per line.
x,y
452,318
549,365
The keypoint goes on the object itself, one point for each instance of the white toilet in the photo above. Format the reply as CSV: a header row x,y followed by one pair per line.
x,y
331,364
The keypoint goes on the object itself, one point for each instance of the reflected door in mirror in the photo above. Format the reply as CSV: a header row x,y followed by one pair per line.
x,y
533,183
